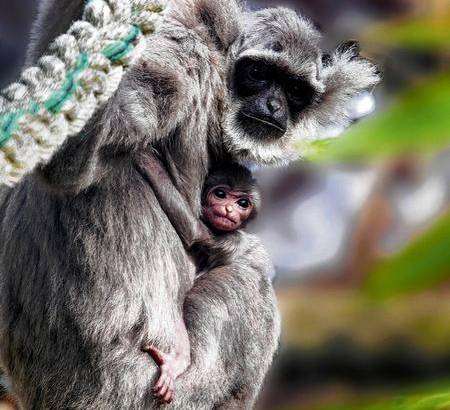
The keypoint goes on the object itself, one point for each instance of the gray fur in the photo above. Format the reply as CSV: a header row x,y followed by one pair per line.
x,y
346,76
298,51
90,266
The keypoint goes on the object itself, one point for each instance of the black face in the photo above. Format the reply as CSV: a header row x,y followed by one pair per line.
x,y
270,97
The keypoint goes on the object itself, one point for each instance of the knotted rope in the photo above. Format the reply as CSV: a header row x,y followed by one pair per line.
x,y
81,71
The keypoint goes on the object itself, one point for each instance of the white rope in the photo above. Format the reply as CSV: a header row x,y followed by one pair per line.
x,y
81,71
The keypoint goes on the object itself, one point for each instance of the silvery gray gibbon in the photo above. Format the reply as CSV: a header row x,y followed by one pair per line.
x,y
91,268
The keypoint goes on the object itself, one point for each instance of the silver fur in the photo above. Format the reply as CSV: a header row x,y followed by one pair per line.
x,y
90,267
346,76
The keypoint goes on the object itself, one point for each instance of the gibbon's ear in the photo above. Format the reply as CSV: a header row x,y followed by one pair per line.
x,y
344,75
220,18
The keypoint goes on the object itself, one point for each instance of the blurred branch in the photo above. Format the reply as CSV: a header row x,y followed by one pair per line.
x,y
423,264
371,224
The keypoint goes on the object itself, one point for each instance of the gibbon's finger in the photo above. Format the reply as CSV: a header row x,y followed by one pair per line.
x,y
168,396
156,354
163,391
160,383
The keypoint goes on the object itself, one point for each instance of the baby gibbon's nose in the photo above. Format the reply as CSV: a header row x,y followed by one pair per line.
x,y
229,208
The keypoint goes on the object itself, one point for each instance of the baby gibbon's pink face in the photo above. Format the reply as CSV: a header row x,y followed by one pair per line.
x,y
226,210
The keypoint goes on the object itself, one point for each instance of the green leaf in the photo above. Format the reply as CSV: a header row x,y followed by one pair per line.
x,y
313,149
435,399
419,121
429,33
422,264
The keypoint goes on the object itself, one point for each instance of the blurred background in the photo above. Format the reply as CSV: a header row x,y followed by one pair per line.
x,y
359,229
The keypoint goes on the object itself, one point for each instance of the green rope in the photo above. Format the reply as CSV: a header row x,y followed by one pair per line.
x,y
58,98
114,52
120,49
82,70
8,124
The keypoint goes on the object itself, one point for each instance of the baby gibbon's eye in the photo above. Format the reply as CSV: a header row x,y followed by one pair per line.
x,y
220,193
244,203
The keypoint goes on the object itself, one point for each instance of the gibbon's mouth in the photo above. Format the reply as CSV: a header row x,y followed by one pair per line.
x,y
223,223
227,217
265,122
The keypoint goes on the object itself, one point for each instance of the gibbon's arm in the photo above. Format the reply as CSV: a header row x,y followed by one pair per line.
x,y
152,100
189,227
155,96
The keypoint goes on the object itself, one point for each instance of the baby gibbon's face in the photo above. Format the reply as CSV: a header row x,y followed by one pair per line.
x,y
226,210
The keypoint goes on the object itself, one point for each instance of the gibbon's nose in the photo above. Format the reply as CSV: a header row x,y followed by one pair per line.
x,y
277,113
274,105
229,208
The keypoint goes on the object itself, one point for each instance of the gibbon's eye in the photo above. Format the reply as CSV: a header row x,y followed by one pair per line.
x,y
220,193
300,92
244,203
250,77
257,71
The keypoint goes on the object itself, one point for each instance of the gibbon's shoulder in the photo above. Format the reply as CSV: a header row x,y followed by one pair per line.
x,y
220,21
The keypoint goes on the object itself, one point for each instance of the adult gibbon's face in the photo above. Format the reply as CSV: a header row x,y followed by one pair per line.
x,y
270,98
273,78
